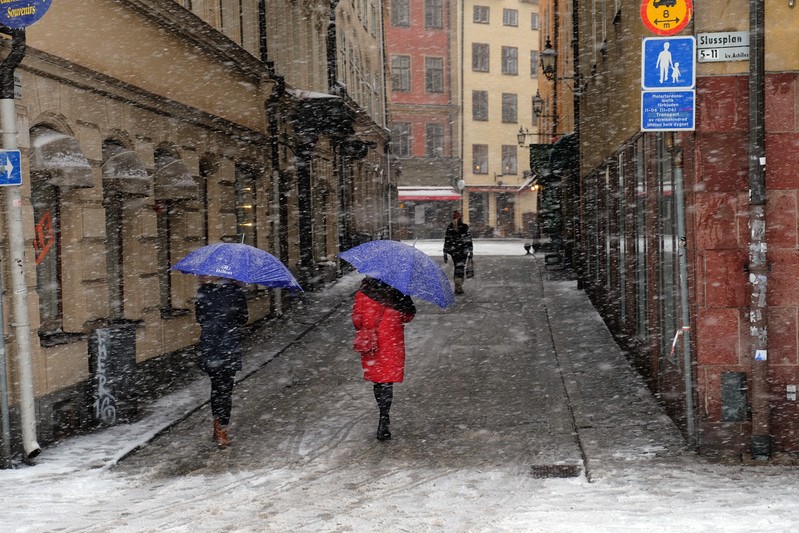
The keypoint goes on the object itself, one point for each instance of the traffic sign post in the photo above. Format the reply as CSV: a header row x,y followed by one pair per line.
x,y
16,15
668,83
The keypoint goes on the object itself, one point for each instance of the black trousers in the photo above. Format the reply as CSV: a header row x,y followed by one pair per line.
x,y
459,262
384,394
222,381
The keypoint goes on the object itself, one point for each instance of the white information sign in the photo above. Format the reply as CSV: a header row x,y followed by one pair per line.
x,y
722,46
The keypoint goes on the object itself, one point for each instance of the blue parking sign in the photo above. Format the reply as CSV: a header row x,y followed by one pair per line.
x,y
10,169
668,63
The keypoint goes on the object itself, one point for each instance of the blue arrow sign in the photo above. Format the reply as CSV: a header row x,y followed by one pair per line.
x,y
668,63
22,13
10,169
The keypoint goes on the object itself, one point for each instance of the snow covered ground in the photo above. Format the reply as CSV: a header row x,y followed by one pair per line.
x,y
317,468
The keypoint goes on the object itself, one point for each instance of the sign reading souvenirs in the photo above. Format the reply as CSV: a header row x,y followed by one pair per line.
x,y
22,13
666,17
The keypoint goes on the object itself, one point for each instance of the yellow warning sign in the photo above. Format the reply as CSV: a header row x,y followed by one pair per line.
x,y
666,17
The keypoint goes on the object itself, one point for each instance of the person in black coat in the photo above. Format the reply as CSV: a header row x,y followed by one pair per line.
x,y
221,309
458,244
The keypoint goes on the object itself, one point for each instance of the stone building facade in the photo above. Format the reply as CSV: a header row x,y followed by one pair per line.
x,y
149,128
687,239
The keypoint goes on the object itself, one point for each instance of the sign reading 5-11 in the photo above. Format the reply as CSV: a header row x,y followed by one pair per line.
x,y
666,17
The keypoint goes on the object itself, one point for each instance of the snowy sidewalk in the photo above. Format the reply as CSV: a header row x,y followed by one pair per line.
x,y
614,414
103,448
617,419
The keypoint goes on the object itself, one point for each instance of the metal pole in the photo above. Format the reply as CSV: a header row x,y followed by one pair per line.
x,y
16,243
758,266
6,457
685,314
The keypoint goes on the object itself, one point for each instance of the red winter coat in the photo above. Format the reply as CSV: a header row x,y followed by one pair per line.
x,y
387,364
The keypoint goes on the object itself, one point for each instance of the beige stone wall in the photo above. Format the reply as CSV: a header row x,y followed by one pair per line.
x,y
150,74
92,117
115,39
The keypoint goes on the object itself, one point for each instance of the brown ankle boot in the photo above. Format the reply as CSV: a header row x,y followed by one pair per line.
x,y
458,286
220,434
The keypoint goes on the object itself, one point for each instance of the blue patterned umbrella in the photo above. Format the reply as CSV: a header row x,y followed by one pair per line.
x,y
410,271
238,261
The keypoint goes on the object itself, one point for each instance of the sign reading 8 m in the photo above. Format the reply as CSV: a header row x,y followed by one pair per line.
x,y
666,17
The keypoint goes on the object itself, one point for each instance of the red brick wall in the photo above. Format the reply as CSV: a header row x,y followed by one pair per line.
x,y
719,227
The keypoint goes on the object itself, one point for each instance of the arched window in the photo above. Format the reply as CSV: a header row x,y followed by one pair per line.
x,y
173,186
124,176
56,162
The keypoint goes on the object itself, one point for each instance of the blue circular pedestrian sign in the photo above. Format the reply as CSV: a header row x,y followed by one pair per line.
x,y
22,13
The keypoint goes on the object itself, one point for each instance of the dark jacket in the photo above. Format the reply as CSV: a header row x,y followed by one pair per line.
x,y
221,309
458,241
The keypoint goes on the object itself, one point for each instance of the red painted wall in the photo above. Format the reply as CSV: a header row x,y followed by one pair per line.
x,y
717,180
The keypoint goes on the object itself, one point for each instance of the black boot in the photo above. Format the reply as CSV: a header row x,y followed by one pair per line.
x,y
382,428
384,394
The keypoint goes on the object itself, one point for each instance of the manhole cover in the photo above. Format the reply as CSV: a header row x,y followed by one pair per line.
x,y
552,471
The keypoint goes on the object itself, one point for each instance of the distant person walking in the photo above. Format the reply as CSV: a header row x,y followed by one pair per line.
x,y
458,244
221,309
379,314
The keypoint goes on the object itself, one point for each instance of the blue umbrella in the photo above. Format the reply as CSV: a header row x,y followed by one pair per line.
x,y
238,261
405,268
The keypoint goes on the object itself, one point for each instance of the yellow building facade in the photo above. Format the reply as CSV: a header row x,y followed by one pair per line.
x,y
498,81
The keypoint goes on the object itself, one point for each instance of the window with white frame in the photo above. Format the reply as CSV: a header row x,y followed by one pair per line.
x,y
433,14
510,108
400,13
480,105
434,140
481,14
480,57
510,60
401,138
401,73
510,17
434,74
509,153
480,158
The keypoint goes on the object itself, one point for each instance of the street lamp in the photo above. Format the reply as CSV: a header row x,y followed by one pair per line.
x,y
548,58
522,136
538,106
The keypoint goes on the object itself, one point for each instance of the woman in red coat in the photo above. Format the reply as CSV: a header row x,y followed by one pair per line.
x,y
385,310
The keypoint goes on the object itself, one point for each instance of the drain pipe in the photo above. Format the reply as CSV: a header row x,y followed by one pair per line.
x,y
5,458
758,266
685,314
16,243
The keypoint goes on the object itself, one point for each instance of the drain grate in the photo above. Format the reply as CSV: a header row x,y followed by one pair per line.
x,y
555,471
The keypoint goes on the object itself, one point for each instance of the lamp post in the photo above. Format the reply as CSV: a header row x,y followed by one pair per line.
x,y
549,57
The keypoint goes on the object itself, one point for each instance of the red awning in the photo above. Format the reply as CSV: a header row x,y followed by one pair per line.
x,y
428,194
